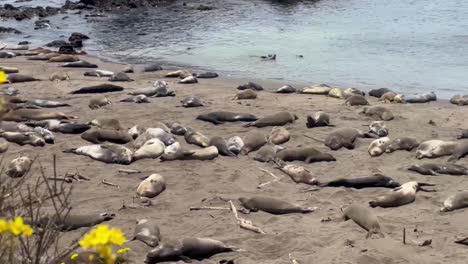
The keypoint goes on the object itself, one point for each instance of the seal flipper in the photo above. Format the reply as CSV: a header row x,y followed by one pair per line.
x,y
72,150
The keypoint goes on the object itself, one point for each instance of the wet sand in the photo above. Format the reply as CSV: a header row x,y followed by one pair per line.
x,y
305,236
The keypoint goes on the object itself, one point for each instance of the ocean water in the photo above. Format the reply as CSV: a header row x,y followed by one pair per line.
x,y
410,46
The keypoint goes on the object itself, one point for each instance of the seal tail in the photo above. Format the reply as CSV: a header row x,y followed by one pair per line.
x,y
321,141
72,150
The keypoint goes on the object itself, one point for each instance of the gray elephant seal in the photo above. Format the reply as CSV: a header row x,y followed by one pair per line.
x,y
191,101
336,93
64,58
46,134
402,143
19,78
101,88
379,92
24,138
460,150
318,119
463,134
246,95
147,231
98,136
251,86
151,149
420,98
151,186
356,100
378,146
206,75
179,73
316,89
152,67
297,173
349,92
107,153
99,73
141,98
286,89
221,145
307,155
79,64
267,153
98,102
455,201
159,89
61,126
279,135
435,148
107,123
219,117
278,119
18,167
177,128
9,70
438,169
120,77
374,181
273,206
235,144
379,112
399,196
459,100
73,221
378,128
59,76
46,103
363,217
207,153
343,137
196,138
157,132
253,141
188,80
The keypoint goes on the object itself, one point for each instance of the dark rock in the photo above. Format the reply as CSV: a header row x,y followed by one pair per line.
x,y
57,43
41,23
7,30
67,49
25,42
25,12
204,8
78,35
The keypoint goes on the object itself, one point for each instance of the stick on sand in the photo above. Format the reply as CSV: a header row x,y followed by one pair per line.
x,y
110,183
243,223
276,178
208,208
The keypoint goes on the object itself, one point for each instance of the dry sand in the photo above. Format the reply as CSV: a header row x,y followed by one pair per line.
x,y
305,236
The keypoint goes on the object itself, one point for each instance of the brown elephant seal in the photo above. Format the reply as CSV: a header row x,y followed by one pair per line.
x,y
344,137
43,57
219,117
286,89
253,141
99,73
59,76
460,150
348,92
378,128
399,196
459,100
151,186
235,144
188,80
336,93
18,167
221,145
374,181
107,153
463,134
20,115
251,86
435,148
186,250
120,77
273,206
378,112
24,138
147,231
64,58
392,97
364,218
318,119
316,89
4,145
72,221
179,73
98,102
98,136
177,128
156,132
106,123
307,155
196,138
356,100
8,70
297,173
44,104
246,95
19,78
208,153
151,149
379,92
402,143
438,169
279,135
79,64
455,201
278,119
267,153
378,146
101,88
191,101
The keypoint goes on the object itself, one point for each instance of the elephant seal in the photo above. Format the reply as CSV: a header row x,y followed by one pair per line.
x,y
151,186
435,148
459,100
79,64
19,78
273,206
399,196
463,134
420,98
191,101
99,73
101,88
278,119
253,141
59,76
179,73
378,128
151,149
98,136
438,169
18,167
186,250
61,126
98,102
141,98
120,77
235,144
318,119
316,89
307,155
336,93
391,97
159,89
188,80
156,132
455,201
267,153
356,100
64,58
402,143
363,217
106,123
221,145
152,67
177,128
374,181
207,153
135,131
286,89
460,150
147,231
8,70
251,86
206,75
107,153
24,138
347,93
20,115
297,173
4,145
46,103
279,135
219,117
379,92
43,57
46,134
379,112
378,146
343,137
196,138
72,221
245,95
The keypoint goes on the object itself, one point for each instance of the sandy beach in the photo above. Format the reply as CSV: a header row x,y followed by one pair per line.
x,y
196,183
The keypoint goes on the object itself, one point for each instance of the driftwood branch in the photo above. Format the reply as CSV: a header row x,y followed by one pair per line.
x,y
197,208
243,223
129,171
109,183
276,178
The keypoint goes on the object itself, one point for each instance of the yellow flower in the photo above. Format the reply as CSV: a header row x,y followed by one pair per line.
x,y
3,77
17,227
123,250
74,256
101,239
3,226
116,237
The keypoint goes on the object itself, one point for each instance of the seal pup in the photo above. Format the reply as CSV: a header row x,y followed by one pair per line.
x,y
378,128
245,95
363,217
99,73
79,64
97,102
147,231
352,91
135,131
459,100
206,75
279,135
178,73
305,154
141,98
251,86
463,134
177,128
24,138
151,186
378,146
20,115
64,58
460,150
152,67
336,93
356,100
120,77
43,57
402,143
438,169
379,92
253,140
61,126
19,78
72,221
318,119
98,136
59,76
297,173
435,148
106,123
150,133
235,144
196,138
273,206
46,103
278,119
18,167
207,153
391,97
101,88
107,153
344,137
316,89
455,201
191,101
158,89
267,153
188,80
379,112
399,196
286,89
46,134
221,145
374,181
420,98
8,70
151,149
220,117
4,145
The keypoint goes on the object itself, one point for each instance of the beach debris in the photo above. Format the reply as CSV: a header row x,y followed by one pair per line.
x,y
105,182
129,171
197,208
276,178
243,223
